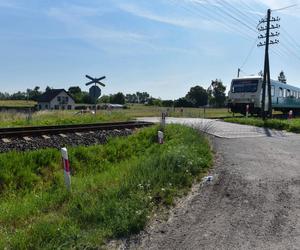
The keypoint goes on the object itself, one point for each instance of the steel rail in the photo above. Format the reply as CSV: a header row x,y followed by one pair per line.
x,y
62,129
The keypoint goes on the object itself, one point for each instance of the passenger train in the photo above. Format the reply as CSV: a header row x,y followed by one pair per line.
x,y
248,91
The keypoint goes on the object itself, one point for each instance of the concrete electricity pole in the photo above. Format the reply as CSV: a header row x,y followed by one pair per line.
x,y
267,36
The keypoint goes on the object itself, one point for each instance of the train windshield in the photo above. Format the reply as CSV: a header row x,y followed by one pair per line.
x,y
244,85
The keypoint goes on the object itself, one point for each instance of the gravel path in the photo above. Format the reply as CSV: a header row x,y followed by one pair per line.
x,y
252,203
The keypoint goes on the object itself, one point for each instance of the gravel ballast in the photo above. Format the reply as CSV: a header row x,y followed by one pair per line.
x,y
61,140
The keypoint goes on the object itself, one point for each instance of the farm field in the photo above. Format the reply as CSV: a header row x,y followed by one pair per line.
x,y
138,110
292,125
16,103
13,119
115,188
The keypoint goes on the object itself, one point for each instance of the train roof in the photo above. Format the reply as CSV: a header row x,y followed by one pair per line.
x,y
283,85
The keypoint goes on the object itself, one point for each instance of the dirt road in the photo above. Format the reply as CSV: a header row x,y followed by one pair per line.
x,y
252,203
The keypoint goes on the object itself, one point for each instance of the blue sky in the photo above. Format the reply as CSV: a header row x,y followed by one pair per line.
x,y
161,46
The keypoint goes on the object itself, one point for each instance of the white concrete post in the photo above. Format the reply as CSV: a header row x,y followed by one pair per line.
x,y
247,110
160,137
290,114
66,165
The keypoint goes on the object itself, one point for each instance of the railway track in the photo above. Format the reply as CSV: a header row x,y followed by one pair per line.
x,y
62,129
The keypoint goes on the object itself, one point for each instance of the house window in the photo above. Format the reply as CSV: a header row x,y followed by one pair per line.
x,y
46,106
69,107
56,107
58,99
67,99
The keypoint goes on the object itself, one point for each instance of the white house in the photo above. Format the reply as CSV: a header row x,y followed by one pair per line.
x,y
57,99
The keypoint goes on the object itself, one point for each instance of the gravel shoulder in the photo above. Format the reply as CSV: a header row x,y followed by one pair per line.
x,y
253,202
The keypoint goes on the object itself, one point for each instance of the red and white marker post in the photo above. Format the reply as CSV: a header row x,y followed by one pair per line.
x,y
160,135
66,165
290,114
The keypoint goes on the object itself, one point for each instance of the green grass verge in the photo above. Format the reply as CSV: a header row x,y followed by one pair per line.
x,y
292,125
45,118
115,188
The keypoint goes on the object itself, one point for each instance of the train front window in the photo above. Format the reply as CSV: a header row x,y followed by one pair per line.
x,y
243,86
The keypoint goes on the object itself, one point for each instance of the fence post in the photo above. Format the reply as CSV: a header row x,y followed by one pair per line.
x,y
163,120
66,166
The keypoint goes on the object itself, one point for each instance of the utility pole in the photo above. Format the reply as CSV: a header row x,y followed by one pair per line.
x,y
266,78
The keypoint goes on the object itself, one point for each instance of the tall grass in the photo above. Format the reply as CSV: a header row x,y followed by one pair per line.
x,y
115,188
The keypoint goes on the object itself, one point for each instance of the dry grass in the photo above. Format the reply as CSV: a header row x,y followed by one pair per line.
x,y
16,103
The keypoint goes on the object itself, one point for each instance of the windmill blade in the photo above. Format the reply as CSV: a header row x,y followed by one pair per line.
x,y
89,77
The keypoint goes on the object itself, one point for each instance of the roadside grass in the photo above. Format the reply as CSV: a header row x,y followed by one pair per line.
x,y
292,125
115,188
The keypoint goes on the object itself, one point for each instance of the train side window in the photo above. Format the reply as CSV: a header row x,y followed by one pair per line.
x,y
272,90
284,93
280,92
288,93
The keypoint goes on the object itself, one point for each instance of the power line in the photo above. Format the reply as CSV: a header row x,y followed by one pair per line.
x,y
236,19
205,11
284,8
237,11
249,54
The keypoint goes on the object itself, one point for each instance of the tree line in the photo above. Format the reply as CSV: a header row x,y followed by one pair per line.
x,y
197,96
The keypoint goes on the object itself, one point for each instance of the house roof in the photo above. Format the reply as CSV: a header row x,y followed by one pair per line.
x,y
50,95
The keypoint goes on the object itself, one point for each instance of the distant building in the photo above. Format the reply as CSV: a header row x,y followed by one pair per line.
x,y
57,99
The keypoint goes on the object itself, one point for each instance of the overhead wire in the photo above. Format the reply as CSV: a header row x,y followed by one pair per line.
x,y
249,54
230,12
205,11
240,13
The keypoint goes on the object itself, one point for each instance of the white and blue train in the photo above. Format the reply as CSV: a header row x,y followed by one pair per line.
x,y
248,91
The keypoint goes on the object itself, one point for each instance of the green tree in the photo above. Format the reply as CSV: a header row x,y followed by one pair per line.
x,y
118,98
32,94
104,99
197,96
218,93
281,77
48,89
183,102
157,102
76,93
